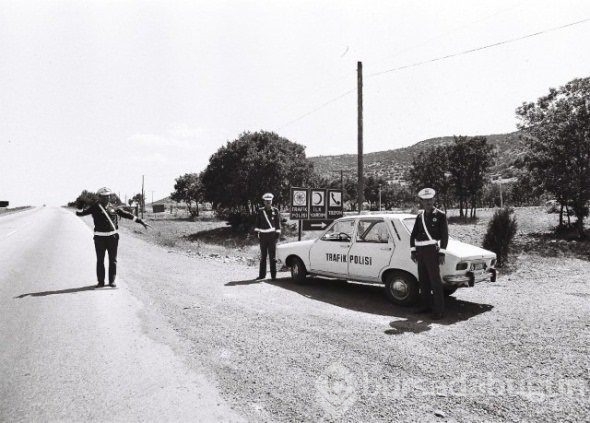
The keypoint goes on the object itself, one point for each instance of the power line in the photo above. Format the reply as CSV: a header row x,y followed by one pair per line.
x,y
454,30
317,108
473,50
437,59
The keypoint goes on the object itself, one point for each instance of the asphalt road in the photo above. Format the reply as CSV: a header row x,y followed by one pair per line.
x,y
69,352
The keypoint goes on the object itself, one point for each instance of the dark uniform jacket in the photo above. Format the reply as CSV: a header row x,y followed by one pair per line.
x,y
269,223
436,223
102,226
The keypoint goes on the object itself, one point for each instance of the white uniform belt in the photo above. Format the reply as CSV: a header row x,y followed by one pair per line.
x,y
98,233
265,230
425,243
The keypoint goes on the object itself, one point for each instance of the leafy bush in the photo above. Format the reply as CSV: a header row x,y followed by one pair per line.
x,y
239,220
501,230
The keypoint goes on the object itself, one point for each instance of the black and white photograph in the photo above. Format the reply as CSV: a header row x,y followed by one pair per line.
x,y
294,211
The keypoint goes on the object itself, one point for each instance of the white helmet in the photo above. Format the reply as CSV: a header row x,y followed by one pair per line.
x,y
104,191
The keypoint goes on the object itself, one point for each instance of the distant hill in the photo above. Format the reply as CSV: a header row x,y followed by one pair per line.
x,y
392,165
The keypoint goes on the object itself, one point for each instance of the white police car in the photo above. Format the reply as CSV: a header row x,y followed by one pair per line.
x,y
376,248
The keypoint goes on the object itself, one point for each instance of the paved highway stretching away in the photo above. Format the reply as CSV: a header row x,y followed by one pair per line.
x,y
71,352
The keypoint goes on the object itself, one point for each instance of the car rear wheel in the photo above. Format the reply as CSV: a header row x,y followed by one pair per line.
x,y
298,270
401,288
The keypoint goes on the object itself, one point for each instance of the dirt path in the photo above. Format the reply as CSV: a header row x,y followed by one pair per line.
x,y
515,350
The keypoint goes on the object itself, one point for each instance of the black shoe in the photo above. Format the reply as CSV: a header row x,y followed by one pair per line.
x,y
273,277
436,316
259,278
100,285
112,284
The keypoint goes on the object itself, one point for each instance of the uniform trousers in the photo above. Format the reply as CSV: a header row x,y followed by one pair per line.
x,y
268,246
429,273
103,244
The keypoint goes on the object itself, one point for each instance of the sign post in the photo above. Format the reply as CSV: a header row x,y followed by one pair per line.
x,y
335,204
317,203
299,205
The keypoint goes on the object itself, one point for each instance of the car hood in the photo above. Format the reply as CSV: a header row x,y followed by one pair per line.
x,y
467,251
296,244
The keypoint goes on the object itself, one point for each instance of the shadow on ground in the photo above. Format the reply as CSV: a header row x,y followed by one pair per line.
x,y
371,299
244,282
61,291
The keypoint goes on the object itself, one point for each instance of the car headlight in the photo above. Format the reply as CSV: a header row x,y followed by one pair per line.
x,y
462,265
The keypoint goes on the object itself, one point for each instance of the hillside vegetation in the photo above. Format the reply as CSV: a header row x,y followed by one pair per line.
x,y
392,165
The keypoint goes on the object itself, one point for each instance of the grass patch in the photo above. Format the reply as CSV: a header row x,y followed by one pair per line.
x,y
458,220
223,236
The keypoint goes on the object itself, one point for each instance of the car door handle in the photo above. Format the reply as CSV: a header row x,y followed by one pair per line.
x,y
385,248
345,246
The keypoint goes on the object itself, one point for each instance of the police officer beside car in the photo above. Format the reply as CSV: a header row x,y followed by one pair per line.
x,y
268,228
428,243
106,236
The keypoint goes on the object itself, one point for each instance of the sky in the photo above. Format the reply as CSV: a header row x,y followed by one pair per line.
x,y
99,93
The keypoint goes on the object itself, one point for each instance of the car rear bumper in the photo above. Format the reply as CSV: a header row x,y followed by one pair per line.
x,y
471,278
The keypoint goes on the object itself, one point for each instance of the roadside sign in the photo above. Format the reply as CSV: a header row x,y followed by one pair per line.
x,y
335,204
318,204
3,203
158,208
299,203
316,225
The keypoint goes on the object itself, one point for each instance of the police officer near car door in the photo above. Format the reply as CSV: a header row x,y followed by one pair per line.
x,y
268,228
106,236
428,244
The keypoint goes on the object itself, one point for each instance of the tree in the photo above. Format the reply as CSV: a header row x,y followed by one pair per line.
x,y
137,198
351,192
431,169
557,135
188,189
469,161
371,189
85,199
255,163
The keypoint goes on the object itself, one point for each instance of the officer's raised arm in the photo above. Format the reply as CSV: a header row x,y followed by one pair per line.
x,y
84,212
126,215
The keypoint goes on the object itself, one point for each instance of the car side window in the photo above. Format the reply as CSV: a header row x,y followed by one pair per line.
x,y
339,231
372,231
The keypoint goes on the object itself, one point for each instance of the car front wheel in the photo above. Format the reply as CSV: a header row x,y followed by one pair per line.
x,y
298,270
401,288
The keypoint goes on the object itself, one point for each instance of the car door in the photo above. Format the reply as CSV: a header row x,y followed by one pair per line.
x,y
329,254
371,250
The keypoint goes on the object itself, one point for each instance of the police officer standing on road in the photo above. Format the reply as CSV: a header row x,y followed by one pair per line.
x,y
268,227
106,237
430,229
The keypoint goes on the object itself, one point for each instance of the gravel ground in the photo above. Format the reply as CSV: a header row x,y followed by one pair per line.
x,y
514,350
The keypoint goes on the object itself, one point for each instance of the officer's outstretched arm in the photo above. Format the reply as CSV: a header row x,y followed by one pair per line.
x,y
84,212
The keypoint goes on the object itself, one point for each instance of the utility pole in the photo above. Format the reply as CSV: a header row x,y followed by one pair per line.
x,y
153,197
142,202
342,181
361,182
379,197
